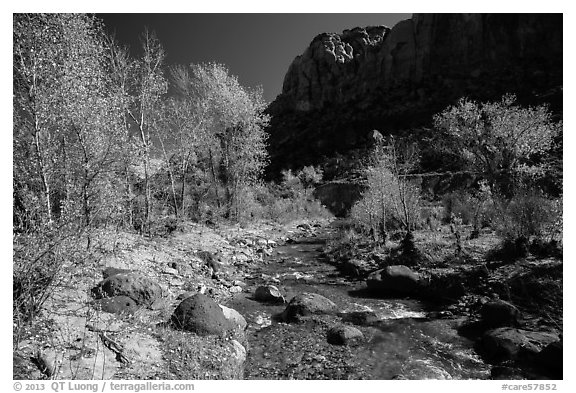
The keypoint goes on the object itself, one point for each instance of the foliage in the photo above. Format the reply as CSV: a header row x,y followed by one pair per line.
x,y
500,140
223,124
529,214
66,118
391,200
293,198
474,207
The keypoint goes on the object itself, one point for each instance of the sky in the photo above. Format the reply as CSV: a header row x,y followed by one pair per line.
x,y
258,48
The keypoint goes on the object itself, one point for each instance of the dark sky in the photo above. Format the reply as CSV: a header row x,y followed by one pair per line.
x,y
258,48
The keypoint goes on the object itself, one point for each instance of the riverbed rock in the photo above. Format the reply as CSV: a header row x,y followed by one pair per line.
x,y
269,293
111,271
234,317
551,359
143,290
344,335
239,353
357,267
117,305
306,304
498,313
396,279
201,315
508,343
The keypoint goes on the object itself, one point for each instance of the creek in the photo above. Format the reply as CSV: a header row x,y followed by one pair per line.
x,y
406,340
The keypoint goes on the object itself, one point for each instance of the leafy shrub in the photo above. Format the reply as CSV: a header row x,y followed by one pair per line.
x,y
528,214
291,199
37,262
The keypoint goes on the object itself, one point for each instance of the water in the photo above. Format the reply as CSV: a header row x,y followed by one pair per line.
x,y
403,340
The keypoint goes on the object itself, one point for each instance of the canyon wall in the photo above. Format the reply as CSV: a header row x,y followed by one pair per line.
x,y
344,85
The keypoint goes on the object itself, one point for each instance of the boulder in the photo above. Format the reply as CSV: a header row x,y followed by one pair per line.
x,y
234,317
201,315
551,359
239,352
111,271
117,305
344,335
397,279
357,267
269,293
498,313
508,343
143,290
306,304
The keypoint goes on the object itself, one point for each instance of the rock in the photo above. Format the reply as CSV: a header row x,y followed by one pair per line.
x,y
506,373
360,317
344,335
234,317
306,304
213,261
235,289
186,295
304,227
507,343
117,305
201,315
498,313
111,271
551,359
262,242
239,353
269,293
357,267
141,289
397,279
171,271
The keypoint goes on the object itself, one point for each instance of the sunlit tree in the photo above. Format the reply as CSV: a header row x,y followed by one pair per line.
x,y
499,140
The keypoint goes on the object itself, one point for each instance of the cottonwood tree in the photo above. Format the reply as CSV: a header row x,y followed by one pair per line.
x,y
37,59
121,69
65,113
391,197
499,140
146,87
229,120
65,142
181,139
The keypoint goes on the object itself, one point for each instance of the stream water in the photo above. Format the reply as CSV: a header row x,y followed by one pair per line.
x,y
404,341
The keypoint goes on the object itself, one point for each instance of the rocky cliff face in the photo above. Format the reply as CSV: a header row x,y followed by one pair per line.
x,y
344,85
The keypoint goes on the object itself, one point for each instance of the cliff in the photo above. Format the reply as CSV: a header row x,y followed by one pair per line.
x,y
344,85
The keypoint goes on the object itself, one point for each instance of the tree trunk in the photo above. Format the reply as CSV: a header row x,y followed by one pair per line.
x,y
42,170
214,178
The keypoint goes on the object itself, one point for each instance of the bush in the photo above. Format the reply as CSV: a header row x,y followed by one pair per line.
x,y
290,200
37,262
528,214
